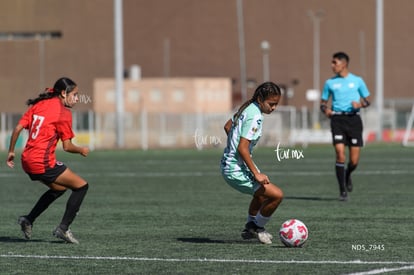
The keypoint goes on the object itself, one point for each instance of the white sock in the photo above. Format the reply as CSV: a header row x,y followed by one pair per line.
x,y
251,218
261,221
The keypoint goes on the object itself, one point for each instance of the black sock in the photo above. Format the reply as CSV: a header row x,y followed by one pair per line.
x,y
72,206
351,167
43,203
340,175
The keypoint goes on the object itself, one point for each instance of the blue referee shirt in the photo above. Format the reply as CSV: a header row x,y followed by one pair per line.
x,y
344,90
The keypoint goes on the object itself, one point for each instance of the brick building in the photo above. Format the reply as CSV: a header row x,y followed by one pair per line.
x,y
191,38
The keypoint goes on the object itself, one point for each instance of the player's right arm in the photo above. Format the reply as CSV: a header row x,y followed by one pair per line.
x,y
244,152
325,109
326,93
13,140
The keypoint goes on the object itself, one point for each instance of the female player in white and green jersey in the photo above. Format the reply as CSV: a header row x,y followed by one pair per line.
x,y
237,166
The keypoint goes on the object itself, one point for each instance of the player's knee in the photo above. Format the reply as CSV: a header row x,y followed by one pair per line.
x,y
83,188
340,158
276,194
56,193
353,163
59,193
279,195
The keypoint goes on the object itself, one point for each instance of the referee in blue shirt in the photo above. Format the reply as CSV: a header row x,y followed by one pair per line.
x,y
348,93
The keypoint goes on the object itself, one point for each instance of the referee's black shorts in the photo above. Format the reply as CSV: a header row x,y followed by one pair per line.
x,y
347,129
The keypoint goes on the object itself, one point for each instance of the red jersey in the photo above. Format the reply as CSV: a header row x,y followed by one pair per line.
x,y
47,121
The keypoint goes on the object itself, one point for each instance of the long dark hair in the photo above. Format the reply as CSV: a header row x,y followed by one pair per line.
x,y
263,91
62,84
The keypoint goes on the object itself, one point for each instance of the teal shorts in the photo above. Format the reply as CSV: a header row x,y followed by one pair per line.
x,y
242,181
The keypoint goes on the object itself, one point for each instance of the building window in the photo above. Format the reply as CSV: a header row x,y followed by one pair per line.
x,y
110,96
133,96
178,95
156,95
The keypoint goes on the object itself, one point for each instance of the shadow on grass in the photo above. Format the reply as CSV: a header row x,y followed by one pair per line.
x,y
309,198
16,240
21,240
208,240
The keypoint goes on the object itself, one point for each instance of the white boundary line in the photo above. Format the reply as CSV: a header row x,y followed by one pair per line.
x,y
146,259
217,173
384,270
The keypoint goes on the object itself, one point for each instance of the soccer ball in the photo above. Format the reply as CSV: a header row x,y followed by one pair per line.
x,y
293,233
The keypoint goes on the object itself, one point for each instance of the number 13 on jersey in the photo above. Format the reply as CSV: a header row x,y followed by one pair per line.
x,y
36,124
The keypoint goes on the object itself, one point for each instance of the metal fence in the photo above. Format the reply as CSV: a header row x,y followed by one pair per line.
x,y
286,126
159,130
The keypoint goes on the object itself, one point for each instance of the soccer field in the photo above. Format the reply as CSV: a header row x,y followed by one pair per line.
x,y
170,212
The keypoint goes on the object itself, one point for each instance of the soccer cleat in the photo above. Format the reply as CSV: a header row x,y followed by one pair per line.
x,y
66,236
264,237
343,196
249,232
269,235
26,227
247,235
252,231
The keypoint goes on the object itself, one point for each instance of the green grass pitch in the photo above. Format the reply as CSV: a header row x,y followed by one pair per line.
x,y
170,212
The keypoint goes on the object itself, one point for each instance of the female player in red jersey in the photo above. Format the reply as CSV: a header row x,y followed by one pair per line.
x,y
49,120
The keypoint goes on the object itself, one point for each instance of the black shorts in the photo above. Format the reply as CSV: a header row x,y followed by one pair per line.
x,y
347,129
51,174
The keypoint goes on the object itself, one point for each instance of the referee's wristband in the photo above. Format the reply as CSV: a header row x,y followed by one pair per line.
x,y
323,108
365,103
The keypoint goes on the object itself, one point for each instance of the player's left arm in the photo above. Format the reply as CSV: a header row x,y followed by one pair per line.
x,y
65,132
69,147
364,102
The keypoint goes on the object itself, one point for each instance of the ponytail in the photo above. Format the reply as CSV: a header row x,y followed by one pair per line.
x,y
48,93
240,111
62,84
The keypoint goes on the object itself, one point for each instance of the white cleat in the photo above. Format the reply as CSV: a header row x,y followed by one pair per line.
x,y
66,236
264,236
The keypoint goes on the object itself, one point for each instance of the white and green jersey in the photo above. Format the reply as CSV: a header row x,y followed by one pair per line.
x,y
248,126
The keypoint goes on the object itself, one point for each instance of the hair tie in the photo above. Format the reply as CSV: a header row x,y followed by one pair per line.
x,y
49,90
